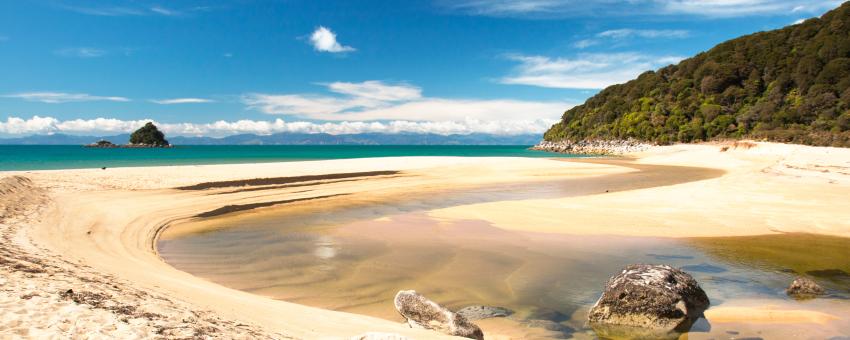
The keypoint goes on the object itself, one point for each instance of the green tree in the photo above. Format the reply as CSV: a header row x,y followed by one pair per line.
x,y
791,84
148,135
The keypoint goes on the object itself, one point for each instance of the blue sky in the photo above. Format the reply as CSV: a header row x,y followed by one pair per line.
x,y
456,66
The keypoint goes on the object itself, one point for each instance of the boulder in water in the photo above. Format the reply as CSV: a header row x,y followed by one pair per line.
x,y
804,288
657,301
423,313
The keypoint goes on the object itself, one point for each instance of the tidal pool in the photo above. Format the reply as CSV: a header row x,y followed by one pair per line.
x,y
353,260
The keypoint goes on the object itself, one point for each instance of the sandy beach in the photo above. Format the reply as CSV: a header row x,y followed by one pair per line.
x,y
80,258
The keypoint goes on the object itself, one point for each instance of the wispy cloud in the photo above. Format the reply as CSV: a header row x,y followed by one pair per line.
x,y
585,43
172,101
164,11
575,8
735,8
61,97
508,7
117,8
324,40
375,100
377,90
3,38
626,35
81,52
104,11
585,71
50,125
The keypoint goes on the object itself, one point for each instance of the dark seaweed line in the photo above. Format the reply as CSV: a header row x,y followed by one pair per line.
x,y
242,207
285,186
284,180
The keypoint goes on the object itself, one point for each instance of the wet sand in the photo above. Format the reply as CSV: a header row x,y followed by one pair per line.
x,y
549,280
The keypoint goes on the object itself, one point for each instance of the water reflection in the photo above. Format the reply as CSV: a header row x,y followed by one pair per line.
x,y
549,280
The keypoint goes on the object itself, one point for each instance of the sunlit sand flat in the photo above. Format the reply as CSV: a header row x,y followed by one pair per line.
x,y
284,244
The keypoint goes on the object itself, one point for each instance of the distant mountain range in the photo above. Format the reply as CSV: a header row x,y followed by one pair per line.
x,y
786,85
295,139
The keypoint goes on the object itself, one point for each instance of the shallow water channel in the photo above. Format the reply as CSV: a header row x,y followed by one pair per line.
x,y
355,259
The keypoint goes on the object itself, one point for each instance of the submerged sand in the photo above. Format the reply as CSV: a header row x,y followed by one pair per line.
x,y
104,224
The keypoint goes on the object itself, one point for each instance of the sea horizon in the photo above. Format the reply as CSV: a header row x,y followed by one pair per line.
x,y
58,157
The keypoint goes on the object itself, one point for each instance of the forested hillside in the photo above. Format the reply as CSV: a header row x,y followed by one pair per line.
x,y
787,85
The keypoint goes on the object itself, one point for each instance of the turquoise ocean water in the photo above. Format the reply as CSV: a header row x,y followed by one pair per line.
x,y
44,157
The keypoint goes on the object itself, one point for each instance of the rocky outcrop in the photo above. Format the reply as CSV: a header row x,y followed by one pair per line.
x,y
102,144
423,313
804,288
655,301
105,144
473,313
593,147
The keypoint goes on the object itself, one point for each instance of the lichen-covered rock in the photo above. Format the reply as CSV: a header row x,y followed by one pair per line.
x,y
804,288
473,313
423,313
654,300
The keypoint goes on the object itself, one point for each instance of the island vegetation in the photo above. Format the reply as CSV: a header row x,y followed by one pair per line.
x,y
787,85
147,136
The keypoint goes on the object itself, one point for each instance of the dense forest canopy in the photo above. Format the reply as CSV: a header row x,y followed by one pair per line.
x,y
787,85
148,135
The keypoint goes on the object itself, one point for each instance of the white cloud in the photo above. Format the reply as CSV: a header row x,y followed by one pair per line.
x,y
181,101
324,40
61,97
81,52
586,71
372,89
437,109
624,33
574,8
126,8
105,11
49,125
585,43
375,100
507,7
734,8
297,104
164,11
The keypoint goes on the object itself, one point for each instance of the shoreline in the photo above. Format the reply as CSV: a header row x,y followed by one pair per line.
x,y
121,245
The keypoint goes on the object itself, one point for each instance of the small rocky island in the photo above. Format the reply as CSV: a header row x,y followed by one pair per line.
x,y
147,136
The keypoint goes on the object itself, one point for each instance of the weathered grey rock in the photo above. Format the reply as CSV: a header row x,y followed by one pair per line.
x,y
595,147
653,300
423,313
473,313
804,288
